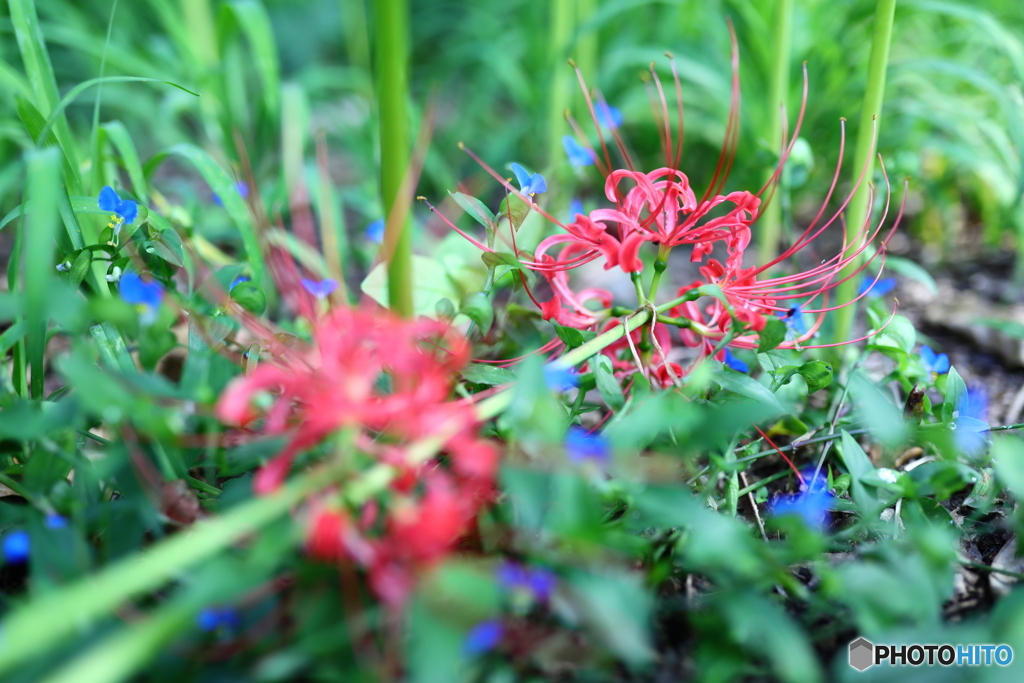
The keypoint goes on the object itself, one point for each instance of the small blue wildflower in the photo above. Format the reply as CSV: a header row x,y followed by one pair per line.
x,y
934,362
581,446
577,153
873,289
560,379
735,363
794,319
239,280
321,289
538,582
125,209
15,546
970,428
375,231
55,521
608,116
529,185
811,504
483,637
241,187
575,208
138,292
212,618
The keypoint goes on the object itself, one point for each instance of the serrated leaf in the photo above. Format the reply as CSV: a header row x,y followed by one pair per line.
x,y
773,334
475,208
817,374
607,385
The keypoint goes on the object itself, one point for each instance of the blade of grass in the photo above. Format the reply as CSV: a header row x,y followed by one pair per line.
x,y
43,170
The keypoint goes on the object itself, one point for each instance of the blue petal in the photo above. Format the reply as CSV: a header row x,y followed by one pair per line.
x,y
971,436
735,363
55,521
135,290
483,637
375,231
321,289
608,116
560,379
16,546
940,364
811,506
794,319
537,185
575,209
109,201
238,280
128,210
577,153
209,619
581,446
523,176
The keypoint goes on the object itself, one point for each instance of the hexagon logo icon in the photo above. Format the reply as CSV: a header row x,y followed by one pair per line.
x,y
862,654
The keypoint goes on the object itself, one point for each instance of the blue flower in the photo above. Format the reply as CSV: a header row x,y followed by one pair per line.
x,y
375,231
125,209
241,187
794,319
577,153
138,292
934,362
735,363
969,426
575,209
873,289
55,521
811,504
560,379
239,280
582,446
529,185
608,116
538,582
483,637
15,546
212,618
321,289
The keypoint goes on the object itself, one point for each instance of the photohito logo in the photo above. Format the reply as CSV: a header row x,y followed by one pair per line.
x,y
865,654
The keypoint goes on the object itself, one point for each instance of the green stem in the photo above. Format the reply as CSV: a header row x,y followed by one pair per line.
x,y
660,264
771,216
392,61
864,158
559,36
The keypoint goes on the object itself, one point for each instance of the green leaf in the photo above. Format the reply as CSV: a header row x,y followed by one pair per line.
x,y
817,374
475,208
249,296
478,308
80,267
129,158
167,245
745,385
859,466
431,284
491,375
617,608
498,258
773,334
571,336
901,332
956,392
43,186
607,385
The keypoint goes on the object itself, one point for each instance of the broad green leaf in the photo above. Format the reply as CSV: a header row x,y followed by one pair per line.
x,y
497,258
430,284
607,385
478,308
250,297
491,375
817,374
859,466
773,334
475,208
571,336
956,393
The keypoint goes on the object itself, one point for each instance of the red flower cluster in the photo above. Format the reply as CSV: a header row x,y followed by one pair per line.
x,y
660,208
384,384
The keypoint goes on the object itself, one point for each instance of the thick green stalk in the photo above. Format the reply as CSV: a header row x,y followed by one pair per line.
x,y
559,37
770,224
864,158
392,76
586,51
